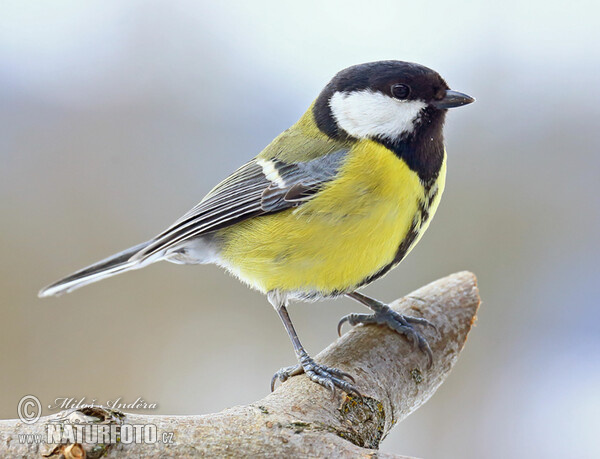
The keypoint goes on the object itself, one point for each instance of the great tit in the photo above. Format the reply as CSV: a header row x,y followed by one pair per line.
x,y
330,205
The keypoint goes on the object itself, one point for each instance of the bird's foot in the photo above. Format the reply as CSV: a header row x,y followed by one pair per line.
x,y
397,322
327,377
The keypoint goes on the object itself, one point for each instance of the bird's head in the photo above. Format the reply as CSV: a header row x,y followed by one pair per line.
x,y
386,100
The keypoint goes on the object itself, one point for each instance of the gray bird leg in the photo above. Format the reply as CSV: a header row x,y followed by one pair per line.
x,y
325,376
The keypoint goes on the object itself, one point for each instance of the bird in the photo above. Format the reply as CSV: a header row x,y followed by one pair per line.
x,y
330,205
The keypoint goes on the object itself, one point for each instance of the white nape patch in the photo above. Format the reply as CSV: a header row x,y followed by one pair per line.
x,y
367,113
270,172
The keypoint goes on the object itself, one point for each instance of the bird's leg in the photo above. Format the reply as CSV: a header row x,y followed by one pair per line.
x,y
384,315
325,376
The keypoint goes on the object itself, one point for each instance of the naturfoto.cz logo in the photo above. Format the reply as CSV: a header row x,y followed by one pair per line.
x,y
84,433
64,430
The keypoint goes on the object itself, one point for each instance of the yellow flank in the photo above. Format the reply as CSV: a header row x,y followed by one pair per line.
x,y
347,232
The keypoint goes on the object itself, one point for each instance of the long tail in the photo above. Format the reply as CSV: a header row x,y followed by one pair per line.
x,y
108,267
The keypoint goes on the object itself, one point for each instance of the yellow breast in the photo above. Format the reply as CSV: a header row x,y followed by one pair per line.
x,y
346,233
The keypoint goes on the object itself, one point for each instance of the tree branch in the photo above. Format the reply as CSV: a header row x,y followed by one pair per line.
x,y
300,418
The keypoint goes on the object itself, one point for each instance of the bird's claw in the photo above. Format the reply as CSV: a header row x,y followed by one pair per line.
x,y
283,374
398,322
328,377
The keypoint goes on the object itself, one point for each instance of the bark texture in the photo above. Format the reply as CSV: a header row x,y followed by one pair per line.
x,y
300,418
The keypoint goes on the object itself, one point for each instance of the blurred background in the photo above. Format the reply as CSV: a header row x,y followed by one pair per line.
x,y
116,117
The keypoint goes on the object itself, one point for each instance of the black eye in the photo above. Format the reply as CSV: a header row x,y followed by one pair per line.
x,y
400,91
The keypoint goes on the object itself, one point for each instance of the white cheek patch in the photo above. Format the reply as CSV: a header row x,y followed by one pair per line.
x,y
373,114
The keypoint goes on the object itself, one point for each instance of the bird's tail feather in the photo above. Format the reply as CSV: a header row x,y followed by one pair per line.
x,y
108,267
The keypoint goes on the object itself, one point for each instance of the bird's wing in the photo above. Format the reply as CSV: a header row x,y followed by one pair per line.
x,y
259,187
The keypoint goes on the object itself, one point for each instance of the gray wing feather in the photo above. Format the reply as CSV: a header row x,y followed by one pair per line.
x,y
246,193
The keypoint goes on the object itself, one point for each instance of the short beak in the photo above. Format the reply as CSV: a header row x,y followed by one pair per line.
x,y
453,99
